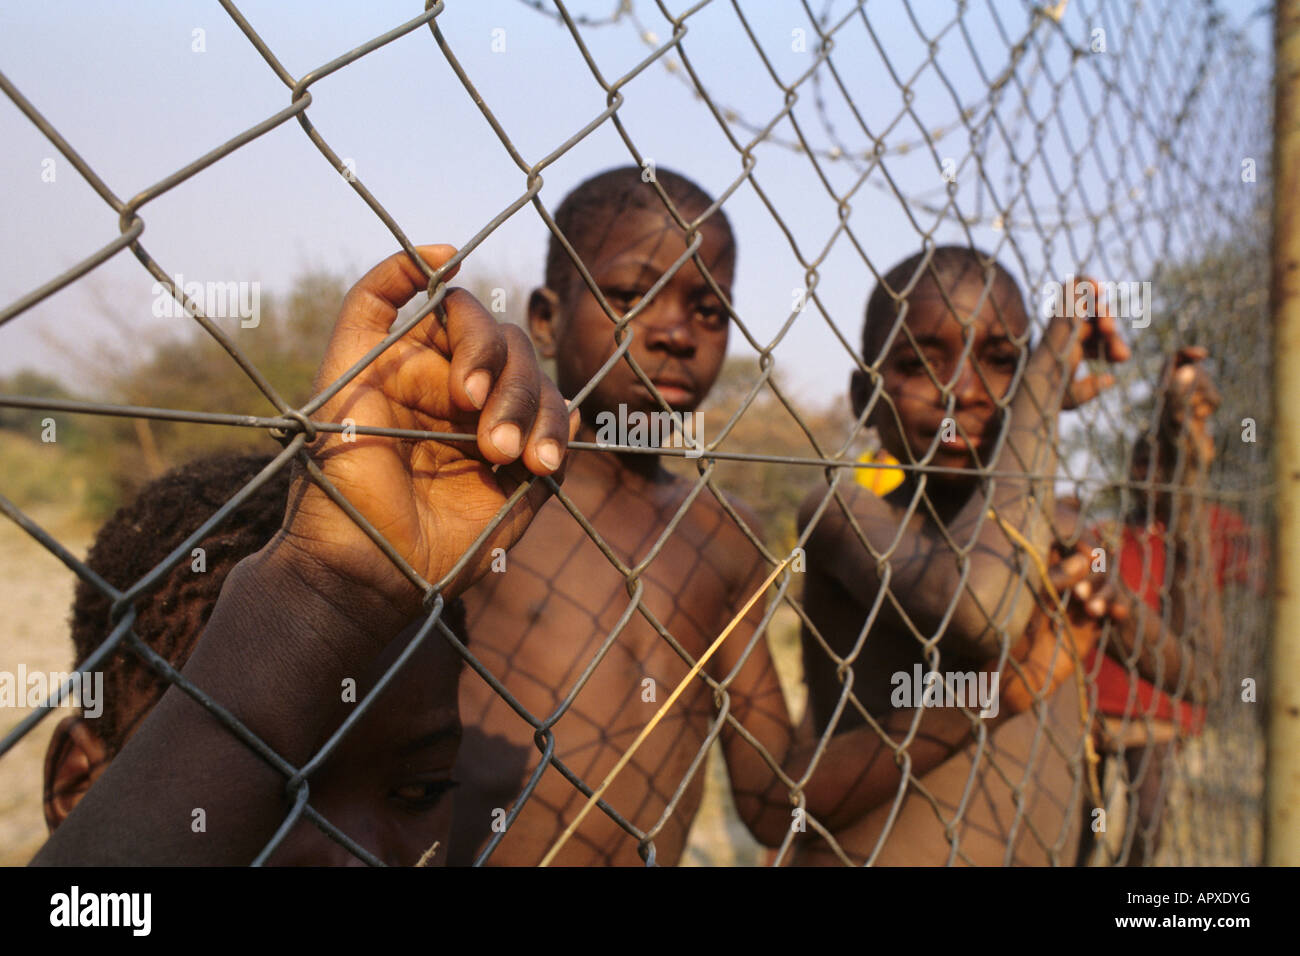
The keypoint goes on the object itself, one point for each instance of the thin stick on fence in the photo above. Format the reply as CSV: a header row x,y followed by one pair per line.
x,y
1282,835
659,715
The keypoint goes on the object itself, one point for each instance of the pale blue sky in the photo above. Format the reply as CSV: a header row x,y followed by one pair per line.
x,y
123,84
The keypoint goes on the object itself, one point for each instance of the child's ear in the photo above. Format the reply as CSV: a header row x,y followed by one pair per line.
x,y
74,760
543,317
859,391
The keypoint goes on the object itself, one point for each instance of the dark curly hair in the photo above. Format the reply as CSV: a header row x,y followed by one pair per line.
x,y
170,617
594,206
948,267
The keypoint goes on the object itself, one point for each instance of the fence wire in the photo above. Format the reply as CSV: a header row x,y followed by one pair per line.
x,y
1105,138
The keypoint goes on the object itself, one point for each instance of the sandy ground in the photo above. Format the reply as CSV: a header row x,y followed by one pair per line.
x,y
34,632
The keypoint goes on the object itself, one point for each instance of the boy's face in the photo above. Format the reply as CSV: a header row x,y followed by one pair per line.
x,y
387,784
679,339
977,383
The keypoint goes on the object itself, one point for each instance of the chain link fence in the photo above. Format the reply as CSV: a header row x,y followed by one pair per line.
x,y
1124,141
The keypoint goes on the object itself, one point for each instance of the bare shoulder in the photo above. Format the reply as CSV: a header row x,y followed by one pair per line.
x,y
832,518
727,528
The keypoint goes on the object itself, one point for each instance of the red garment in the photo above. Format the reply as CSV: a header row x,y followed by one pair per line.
x,y
1235,544
1142,569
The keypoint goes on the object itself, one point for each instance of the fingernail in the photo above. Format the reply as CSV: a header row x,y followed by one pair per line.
x,y
477,385
1082,590
507,438
548,453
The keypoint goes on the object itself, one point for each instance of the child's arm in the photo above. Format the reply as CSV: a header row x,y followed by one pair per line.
x,y
992,592
1177,647
1195,605
321,601
1140,638
857,770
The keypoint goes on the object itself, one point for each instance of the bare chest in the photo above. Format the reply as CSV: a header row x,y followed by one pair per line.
x,y
561,597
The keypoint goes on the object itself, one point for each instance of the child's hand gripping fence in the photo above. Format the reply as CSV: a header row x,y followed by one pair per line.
x,y
1127,142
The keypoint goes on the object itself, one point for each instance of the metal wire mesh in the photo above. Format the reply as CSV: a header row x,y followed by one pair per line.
x,y
1104,138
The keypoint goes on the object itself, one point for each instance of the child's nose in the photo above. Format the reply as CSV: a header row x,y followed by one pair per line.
x,y
969,387
666,324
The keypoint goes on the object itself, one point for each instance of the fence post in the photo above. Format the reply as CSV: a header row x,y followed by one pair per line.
x,y
1282,833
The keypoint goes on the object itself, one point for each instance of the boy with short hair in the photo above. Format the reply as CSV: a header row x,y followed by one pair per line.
x,y
384,777
945,338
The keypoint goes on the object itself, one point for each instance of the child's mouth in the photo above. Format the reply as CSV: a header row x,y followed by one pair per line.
x,y
953,442
960,443
674,392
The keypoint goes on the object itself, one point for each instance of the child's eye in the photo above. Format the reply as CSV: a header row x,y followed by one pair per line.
x,y
712,316
423,794
624,299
